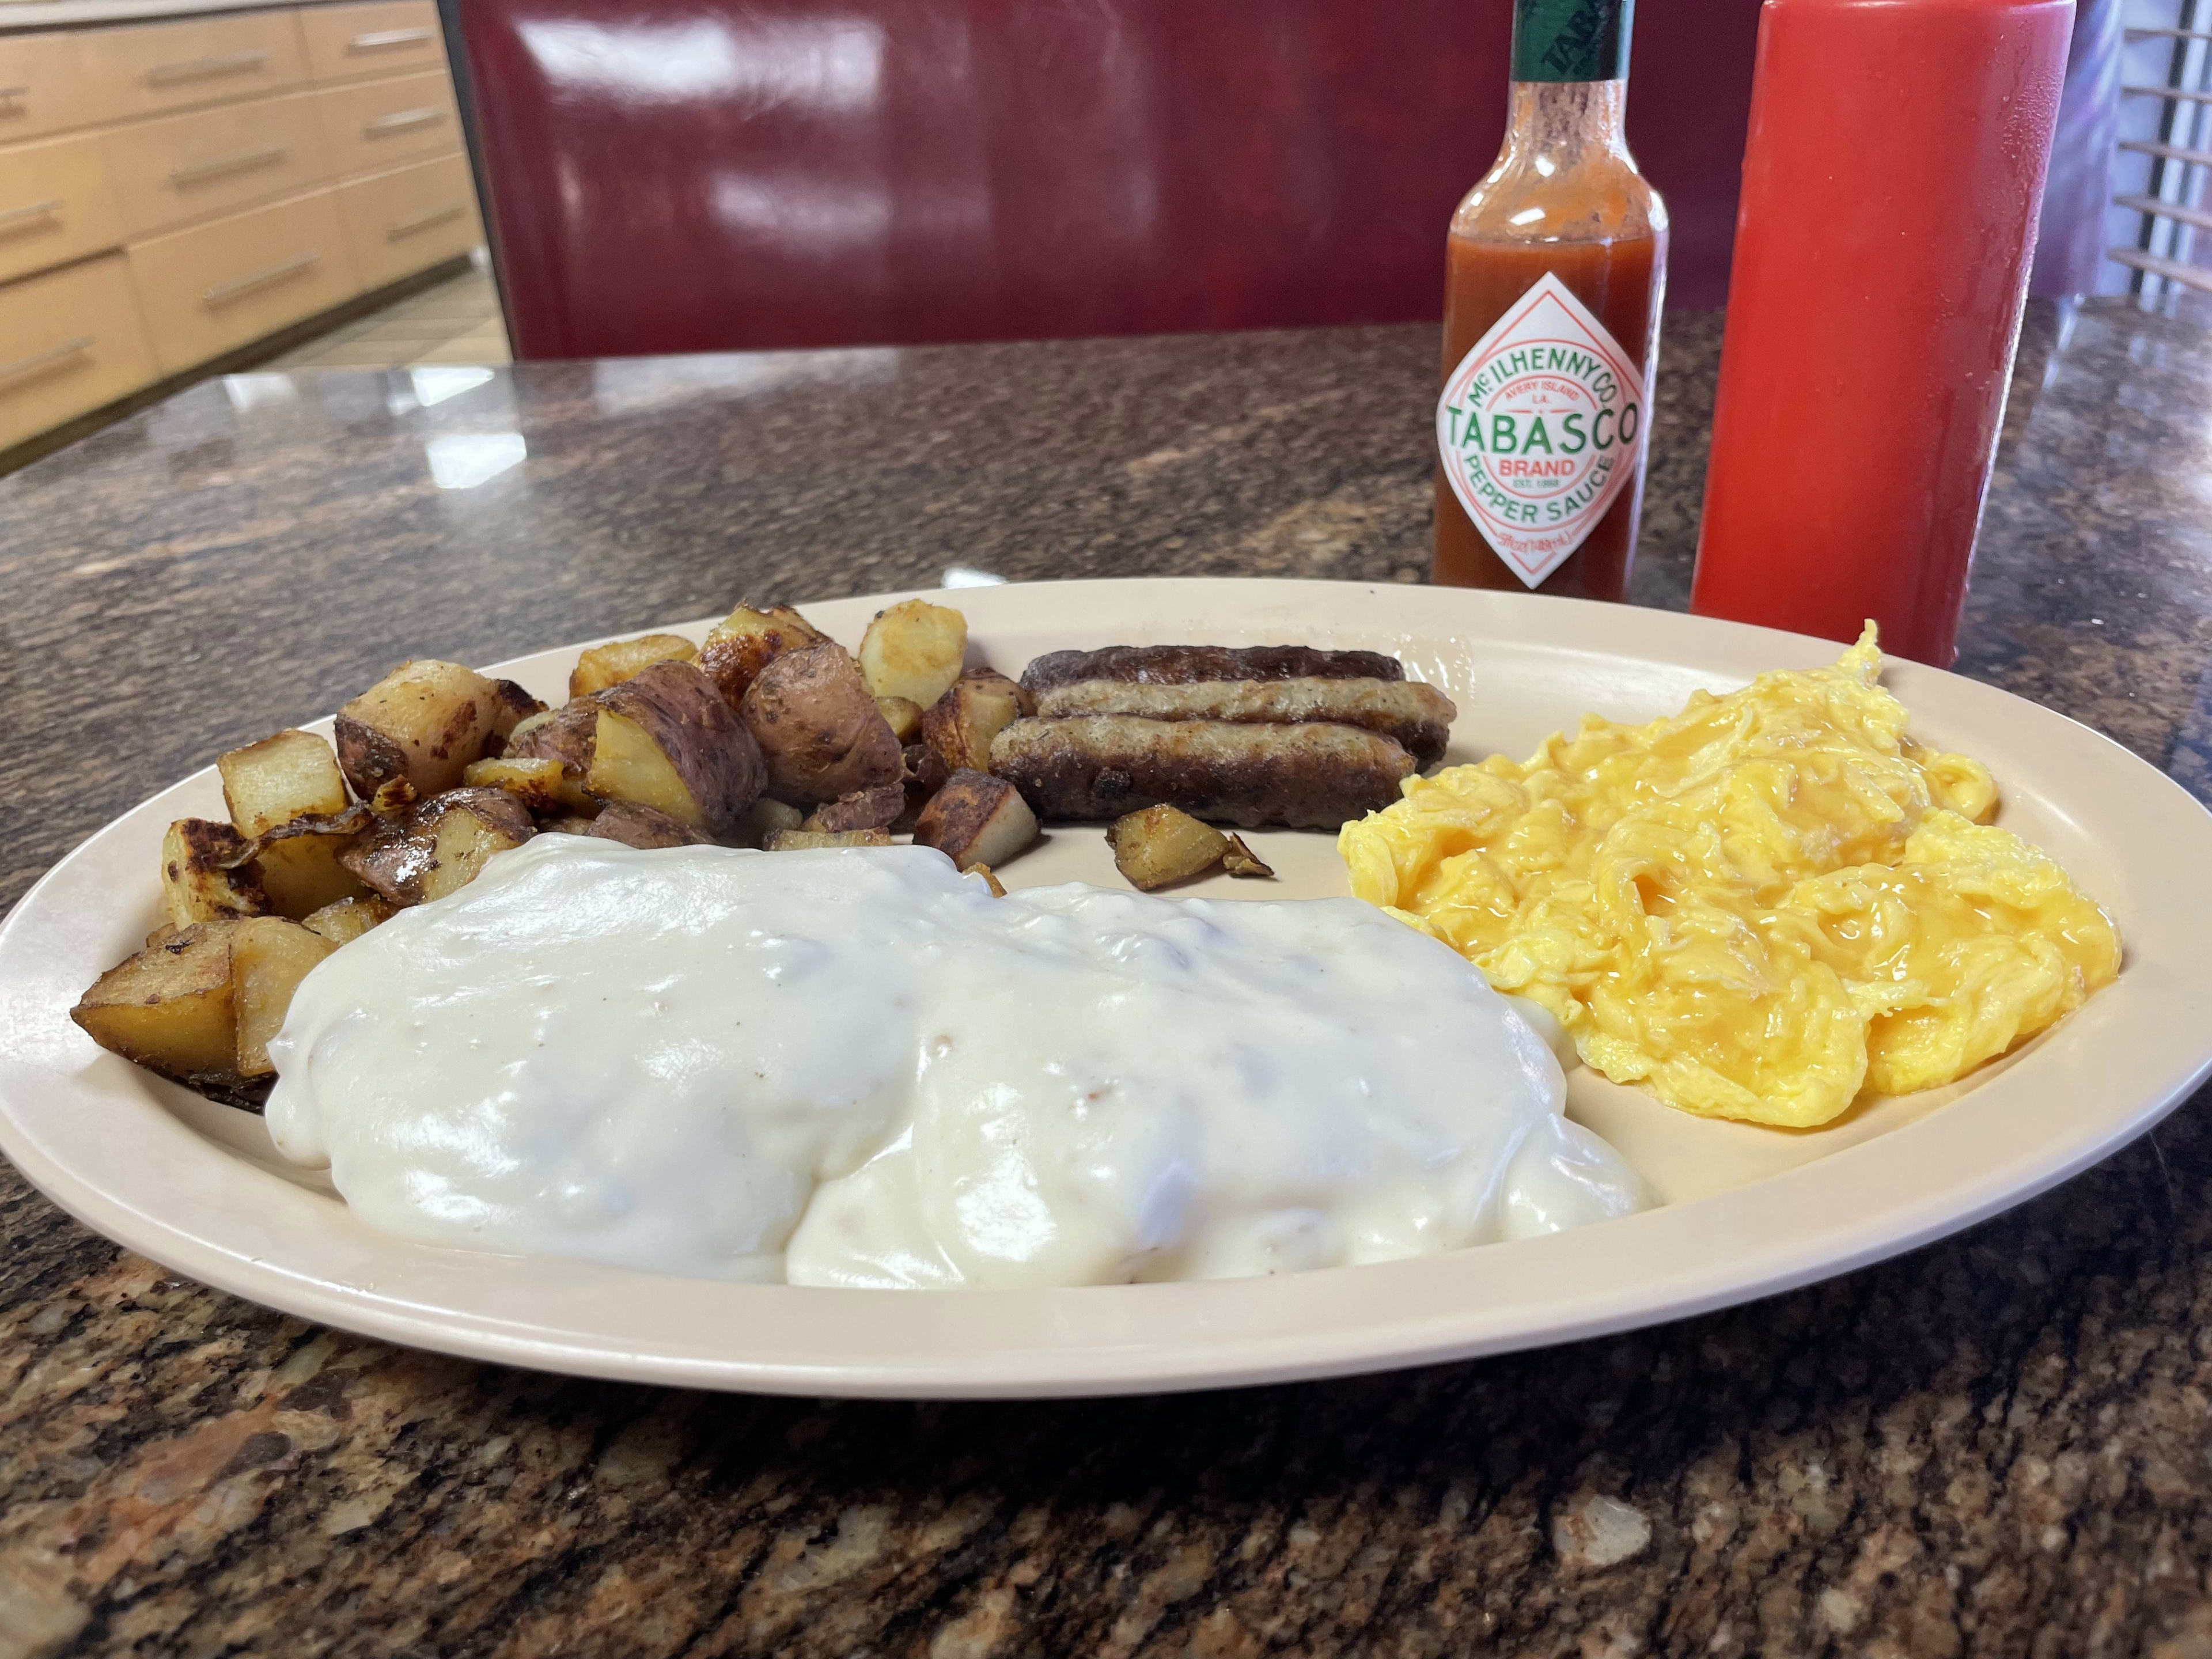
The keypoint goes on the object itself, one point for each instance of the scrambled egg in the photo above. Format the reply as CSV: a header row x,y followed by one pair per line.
x,y
1755,908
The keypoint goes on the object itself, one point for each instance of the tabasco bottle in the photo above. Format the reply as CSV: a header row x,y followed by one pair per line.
x,y
1554,273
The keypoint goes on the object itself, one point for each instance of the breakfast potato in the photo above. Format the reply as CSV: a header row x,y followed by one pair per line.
x,y
510,705
959,726
818,727
990,880
542,786
291,775
770,815
904,716
1241,860
171,1009
349,918
438,846
976,818
268,957
424,722
299,862
866,809
914,649
603,665
664,739
746,641
393,795
634,824
562,734
208,873
1160,845
799,841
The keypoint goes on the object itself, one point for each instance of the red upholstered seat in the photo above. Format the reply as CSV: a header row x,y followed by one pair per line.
x,y
684,175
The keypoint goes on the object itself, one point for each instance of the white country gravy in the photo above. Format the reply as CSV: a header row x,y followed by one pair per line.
x,y
857,1067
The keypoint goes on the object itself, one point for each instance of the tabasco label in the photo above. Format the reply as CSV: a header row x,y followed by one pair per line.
x,y
1539,429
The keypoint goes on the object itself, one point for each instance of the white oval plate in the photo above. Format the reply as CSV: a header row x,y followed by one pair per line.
x,y
1748,1212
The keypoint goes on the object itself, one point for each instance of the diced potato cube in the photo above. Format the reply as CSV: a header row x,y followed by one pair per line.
x,y
170,1007
915,650
542,786
348,919
978,706
196,884
977,819
904,716
268,957
746,641
291,775
1161,845
424,722
299,864
603,665
797,840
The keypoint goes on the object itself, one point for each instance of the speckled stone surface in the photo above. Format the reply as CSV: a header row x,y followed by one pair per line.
x,y
2001,1444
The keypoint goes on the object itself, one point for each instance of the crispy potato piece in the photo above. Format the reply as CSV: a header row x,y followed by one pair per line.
x,y
978,706
208,873
976,818
393,795
603,665
747,640
268,957
904,716
1241,860
1159,846
562,734
797,840
438,845
818,727
424,721
170,1008
636,825
348,919
914,649
542,786
511,705
665,739
291,775
998,888
866,809
770,815
299,864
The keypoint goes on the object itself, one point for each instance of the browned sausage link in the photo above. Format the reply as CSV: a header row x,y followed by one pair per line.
x,y
1418,716
1100,766
1182,664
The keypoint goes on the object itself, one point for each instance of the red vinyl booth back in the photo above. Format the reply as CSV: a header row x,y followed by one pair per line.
x,y
691,175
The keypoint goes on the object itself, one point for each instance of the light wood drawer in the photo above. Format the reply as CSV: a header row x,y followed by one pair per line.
x,y
385,38
403,221
374,125
54,206
169,172
69,342
221,284
45,85
156,67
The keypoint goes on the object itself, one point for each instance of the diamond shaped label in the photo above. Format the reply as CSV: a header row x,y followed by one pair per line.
x,y
1539,429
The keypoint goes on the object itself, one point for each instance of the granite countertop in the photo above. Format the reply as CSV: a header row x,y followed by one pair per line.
x,y
1998,1445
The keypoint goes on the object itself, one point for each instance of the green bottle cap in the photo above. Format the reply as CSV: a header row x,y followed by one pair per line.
x,y
1572,40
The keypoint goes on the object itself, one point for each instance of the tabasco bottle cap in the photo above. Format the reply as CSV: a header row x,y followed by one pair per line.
x,y
1572,40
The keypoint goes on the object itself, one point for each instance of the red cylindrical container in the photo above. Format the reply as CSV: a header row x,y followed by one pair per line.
x,y
1891,179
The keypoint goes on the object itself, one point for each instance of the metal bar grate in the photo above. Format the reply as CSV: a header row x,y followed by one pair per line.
x,y
2168,206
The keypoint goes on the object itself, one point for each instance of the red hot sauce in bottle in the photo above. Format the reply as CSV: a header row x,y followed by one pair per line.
x,y
1555,274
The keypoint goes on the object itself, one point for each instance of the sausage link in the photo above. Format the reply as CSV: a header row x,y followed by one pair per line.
x,y
1182,664
1418,716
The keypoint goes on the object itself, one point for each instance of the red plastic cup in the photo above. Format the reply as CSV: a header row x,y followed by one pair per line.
x,y
1891,182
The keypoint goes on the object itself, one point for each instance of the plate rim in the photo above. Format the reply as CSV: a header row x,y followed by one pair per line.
x,y
1260,1335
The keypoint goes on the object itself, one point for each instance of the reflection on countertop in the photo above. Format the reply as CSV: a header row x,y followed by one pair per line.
x,y
1994,1445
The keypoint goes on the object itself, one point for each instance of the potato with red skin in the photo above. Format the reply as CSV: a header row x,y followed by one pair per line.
x,y
976,818
423,722
665,739
746,641
635,825
438,846
818,727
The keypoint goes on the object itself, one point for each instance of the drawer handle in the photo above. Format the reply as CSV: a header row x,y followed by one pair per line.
x,y
384,126
226,164
205,69
224,292
51,357
11,94
406,227
24,217
384,40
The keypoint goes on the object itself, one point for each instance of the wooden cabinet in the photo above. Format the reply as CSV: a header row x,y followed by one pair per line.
x,y
218,285
69,341
387,37
413,216
54,206
153,69
379,123
170,192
